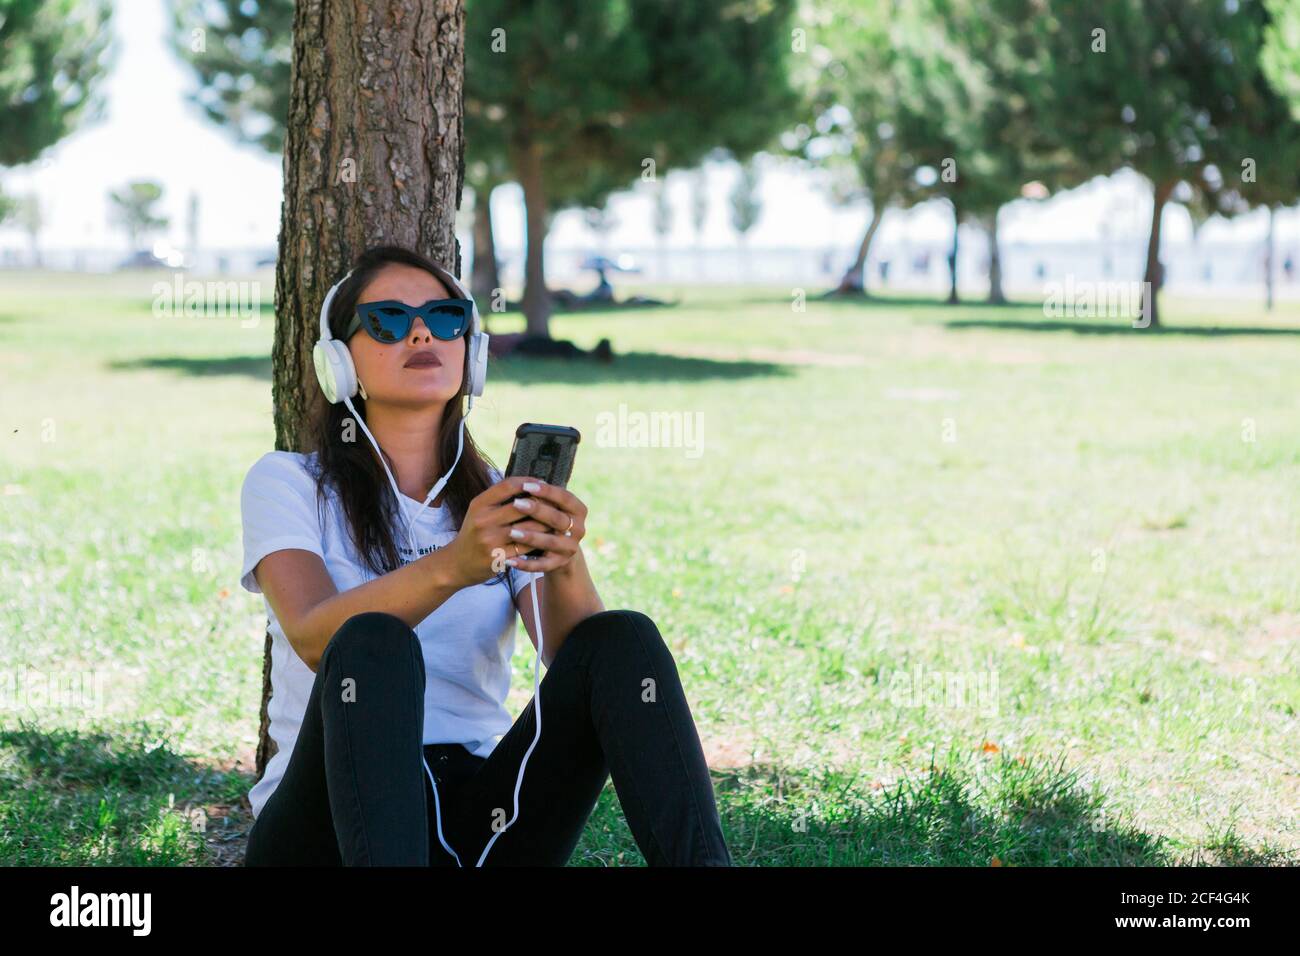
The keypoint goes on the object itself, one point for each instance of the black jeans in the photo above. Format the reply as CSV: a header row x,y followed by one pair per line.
x,y
355,792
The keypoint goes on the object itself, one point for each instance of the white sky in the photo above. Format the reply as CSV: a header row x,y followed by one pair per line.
x,y
151,132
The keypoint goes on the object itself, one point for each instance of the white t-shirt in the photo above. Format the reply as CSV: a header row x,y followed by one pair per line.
x,y
467,641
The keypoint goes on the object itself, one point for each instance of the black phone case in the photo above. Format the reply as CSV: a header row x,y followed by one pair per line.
x,y
545,452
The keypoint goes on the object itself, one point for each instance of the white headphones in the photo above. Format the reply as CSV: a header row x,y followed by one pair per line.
x,y
338,380
338,376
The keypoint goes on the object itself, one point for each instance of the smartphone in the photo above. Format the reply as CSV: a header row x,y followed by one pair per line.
x,y
545,452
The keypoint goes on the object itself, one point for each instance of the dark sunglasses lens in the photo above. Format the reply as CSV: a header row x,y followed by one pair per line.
x,y
447,321
387,323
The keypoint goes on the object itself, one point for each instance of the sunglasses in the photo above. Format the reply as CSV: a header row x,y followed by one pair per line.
x,y
389,321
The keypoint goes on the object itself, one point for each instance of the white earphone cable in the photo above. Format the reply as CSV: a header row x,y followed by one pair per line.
x,y
537,709
537,620
397,495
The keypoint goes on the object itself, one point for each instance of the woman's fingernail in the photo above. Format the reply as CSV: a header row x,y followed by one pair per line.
x,y
523,504
532,486
516,533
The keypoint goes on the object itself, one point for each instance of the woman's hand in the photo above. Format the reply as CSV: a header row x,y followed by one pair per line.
x,y
558,511
484,543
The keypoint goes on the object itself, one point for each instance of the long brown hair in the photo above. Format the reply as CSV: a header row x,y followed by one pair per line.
x,y
352,468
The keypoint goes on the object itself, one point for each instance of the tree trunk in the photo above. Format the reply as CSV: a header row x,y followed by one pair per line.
x,y
526,155
952,255
373,153
1153,278
1268,262
485,278
855,279
996,296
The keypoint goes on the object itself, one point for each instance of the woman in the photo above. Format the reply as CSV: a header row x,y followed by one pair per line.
x,y
388,649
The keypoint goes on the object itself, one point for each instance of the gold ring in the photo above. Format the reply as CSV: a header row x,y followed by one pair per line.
x,y
568,532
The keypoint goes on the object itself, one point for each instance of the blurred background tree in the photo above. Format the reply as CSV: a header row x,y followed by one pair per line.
x,y
1281,55
746,207
132,209
978,102
240,51
572,99
1166,89
56,54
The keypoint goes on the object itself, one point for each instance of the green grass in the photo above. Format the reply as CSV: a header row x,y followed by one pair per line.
x,y
945,585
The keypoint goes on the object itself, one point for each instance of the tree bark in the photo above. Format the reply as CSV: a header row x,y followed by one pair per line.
x,y
953,298
526,157
855,278
485,277
1153,278
374,153
996,297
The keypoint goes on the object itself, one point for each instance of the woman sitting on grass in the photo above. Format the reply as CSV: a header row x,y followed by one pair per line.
x,y
390,665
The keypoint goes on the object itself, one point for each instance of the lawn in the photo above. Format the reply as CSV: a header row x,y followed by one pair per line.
x,y
945,585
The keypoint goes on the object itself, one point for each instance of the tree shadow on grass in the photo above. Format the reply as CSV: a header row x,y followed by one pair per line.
x,y
253,366
233,308
963,812
126,797
916,301
1098,328
873,301
520,369
120,796
629,367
